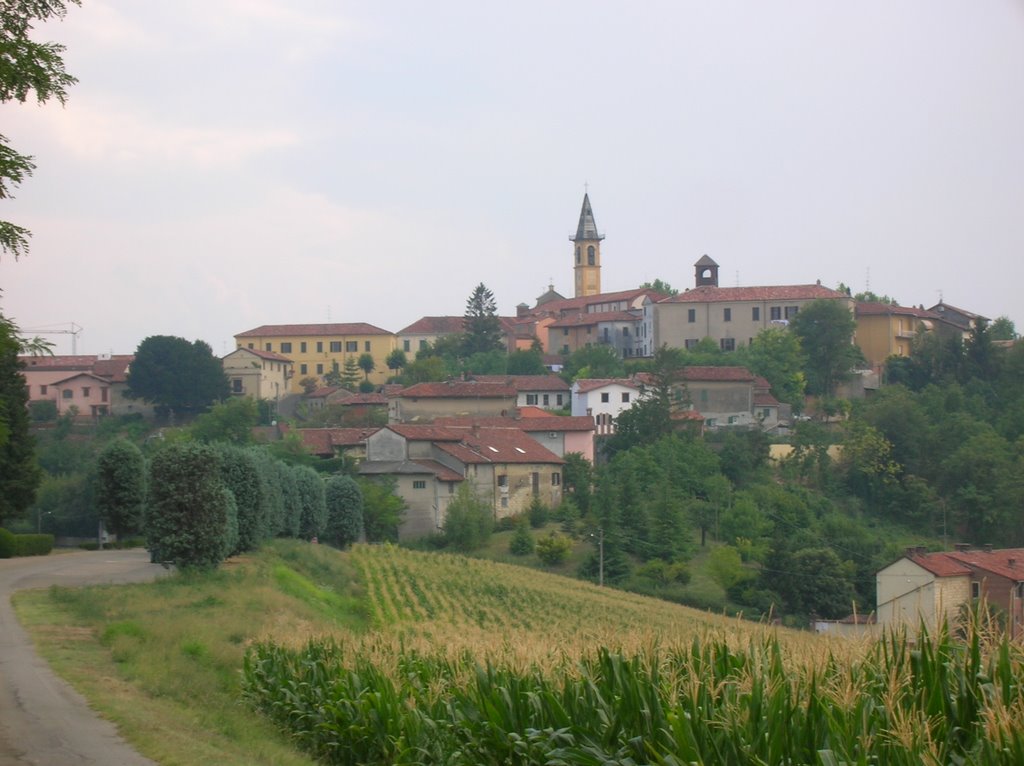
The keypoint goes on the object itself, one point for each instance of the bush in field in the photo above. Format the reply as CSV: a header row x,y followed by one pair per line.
x,y
270,489
538,513
468,521
344,511
240,471
121,486
313,516
553,549
521,543
382,510
187,520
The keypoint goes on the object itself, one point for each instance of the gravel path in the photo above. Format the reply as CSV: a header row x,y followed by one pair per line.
x,y
43,720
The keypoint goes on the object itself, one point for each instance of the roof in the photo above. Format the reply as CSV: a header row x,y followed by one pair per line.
x,y
714,294
526,382
363,399
425,433
939,564
435,326
718,374
270,356
498,445
458,389
705,260
440,470
80,375
587,228
569,305
113,367
532,423
1004,562
550,295
286,330
886,309
765,400
583,385
322,441
325,391
595,317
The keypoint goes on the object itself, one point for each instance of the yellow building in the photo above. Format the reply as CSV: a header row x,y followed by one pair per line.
x,y
316,349
884,330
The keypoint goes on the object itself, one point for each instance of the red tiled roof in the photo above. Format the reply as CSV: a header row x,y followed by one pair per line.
x,y
886,309
939,564
707,373
526,382
533,423
529,411
314,330
324,391
434,326
498,445
357,399
80,375
270,356
458,389
440,470
579,304
322,441
765,400
996,561
593,318
114,368
425,433
583,385
712,294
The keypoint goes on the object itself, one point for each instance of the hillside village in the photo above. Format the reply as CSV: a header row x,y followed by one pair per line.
x,y
336,388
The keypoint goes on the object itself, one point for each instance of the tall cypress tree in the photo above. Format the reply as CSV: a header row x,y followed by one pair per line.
x,y
19,473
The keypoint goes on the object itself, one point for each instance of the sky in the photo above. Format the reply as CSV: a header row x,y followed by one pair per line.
x,y
224,164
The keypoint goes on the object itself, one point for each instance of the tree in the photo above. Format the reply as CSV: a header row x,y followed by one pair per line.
x,y
1002,328
121,486
188,510
309,384
660,286
313,513
19,472
350,374
382,509
177,375
775,355
231,421
27,67
468,520
241,474
526,362
521,543
344,511
825,329
396,360
599,361
366,364
481,327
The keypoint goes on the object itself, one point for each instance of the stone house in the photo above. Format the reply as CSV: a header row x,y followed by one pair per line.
x,y
549,392
423,402
258,374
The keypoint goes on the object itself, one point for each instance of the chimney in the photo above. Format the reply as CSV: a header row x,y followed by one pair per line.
x,y
961,547
988,547
1011,563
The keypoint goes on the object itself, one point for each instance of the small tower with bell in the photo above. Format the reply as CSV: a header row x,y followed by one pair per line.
x,y
587,252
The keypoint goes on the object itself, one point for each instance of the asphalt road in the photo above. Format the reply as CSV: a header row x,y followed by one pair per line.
x,y
44,721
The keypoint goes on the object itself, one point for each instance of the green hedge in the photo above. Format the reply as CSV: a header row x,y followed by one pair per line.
x,y
24,545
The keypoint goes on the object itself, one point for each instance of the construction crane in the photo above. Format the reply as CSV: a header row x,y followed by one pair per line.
x,y
72,329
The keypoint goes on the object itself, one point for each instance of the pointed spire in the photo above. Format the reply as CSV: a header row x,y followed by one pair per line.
x,y
587,229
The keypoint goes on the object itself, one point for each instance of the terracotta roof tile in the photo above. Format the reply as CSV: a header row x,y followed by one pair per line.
x,y
595,318
583,385
885,309
940,564
714,374
526,382
425,433
710,293
576,305
996,561
312,330
498,445
458,389
270,356
440,470
547,423
434,326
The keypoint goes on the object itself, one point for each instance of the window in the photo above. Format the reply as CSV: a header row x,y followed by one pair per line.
x,y
726,315
556,480
792,311
286,348
406,345
732,420
366,346
755,313
251,346
236,385
303,369
85,391
335,346
578,257
710,422
590,331
504,502
319,346
691,343
727,344
67,393
558,400
590,255
703,396
502,480
766,412
531,398
419,484
103,393
42,390
319,369
546,400
302,347
625,397
975,589
565,349
691,315
269,347
775,313
565,331
423,345
605,397
607,337
351,345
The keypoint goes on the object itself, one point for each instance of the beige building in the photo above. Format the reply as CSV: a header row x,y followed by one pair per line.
x,y
94,385
423,402
258,374
884,330
730,316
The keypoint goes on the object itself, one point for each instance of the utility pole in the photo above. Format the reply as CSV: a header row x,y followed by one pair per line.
x,y
600,557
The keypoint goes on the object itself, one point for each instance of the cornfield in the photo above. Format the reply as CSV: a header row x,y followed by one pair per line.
x,y
539,690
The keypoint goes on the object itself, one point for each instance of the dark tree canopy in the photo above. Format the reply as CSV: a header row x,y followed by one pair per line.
x,y
173,373
26,67
825,329
19,472
482,328
121,486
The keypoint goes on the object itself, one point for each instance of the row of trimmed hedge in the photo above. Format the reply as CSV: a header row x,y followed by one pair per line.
x,y
12,545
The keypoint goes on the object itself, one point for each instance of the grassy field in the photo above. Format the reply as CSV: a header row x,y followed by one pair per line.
x,y
386,655
163,660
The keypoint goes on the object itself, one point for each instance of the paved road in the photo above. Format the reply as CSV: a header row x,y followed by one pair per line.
x,y
43,721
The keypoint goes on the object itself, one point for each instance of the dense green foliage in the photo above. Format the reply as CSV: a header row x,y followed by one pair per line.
x,y
121,487
937,701
19,471
468,521
481,326
825,329
382,510
188,513
242,474
344,511
313,513
176,375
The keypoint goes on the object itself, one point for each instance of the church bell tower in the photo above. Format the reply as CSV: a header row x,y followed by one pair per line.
x,y
587,253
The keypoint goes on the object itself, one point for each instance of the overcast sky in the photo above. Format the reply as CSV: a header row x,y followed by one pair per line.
x,y
223,164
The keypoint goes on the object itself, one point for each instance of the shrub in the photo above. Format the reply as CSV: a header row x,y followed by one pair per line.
x,y
521,543
121,486
538,513
7,544
240,471
187,513
553,549
468,521
313,514
344,511
33,545
42,411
